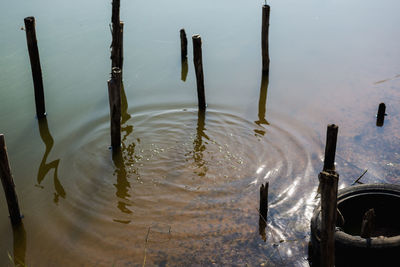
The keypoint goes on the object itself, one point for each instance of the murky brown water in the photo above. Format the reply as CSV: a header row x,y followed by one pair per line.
x,y
184,191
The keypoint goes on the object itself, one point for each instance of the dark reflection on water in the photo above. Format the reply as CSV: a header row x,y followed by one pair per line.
x,y
19,236
199,144
45,167
184,69
123,186
262,102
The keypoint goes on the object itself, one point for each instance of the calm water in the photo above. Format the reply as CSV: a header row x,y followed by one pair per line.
x,y
185,189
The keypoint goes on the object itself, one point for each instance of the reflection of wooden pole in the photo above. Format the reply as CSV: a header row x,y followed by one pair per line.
x,y
198,66
329,186
8,184
114,94
380,117
35,66
330,147
183,44
264,38
264,200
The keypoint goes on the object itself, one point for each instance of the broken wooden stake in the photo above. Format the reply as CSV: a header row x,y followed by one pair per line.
x,y
114,94
329,187
35,66
368,224
380,117
121,47
183,44
8,184
264,38
198,66
330,147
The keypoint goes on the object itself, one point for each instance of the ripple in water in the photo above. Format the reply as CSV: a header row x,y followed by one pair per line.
x,y
184,190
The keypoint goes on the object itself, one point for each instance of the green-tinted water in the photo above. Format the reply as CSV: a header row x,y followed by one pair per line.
x,y
185,189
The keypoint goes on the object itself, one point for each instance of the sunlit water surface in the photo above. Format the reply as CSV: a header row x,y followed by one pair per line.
x,y
185,188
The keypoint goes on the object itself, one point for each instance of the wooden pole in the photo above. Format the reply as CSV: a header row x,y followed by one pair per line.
x,y
264,38
35,66
8,184
329,187
116,34
198,66
330,147
264,200
380,117
368,224
183,44
114,94
121,47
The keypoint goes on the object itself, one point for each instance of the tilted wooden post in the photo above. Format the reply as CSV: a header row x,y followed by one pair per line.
x,y
329,187
264,38
35,66
8,184
183,44
116,34
198,66
330,147
114,94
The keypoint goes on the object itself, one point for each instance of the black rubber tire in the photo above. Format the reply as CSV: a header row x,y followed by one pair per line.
x,y
352,250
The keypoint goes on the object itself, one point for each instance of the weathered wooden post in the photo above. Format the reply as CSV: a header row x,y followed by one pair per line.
x,y
380,117
198,66
183,44
116,34
35,66
264,38
330,147
114,94
329,186
8,184
121,47
368,224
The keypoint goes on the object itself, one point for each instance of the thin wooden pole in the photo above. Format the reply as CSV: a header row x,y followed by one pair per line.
x,y
116,34
114,94
330,147
380,117
8,184
121,47
198,66
183,44
264,38
329,187
35,66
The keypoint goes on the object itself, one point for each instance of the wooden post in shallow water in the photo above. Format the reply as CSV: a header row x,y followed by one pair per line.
x,y
328,182
380,117
35,66
121,47
8,184
114,94
368,224
183,44
198,66
264,38
116,35
330,147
